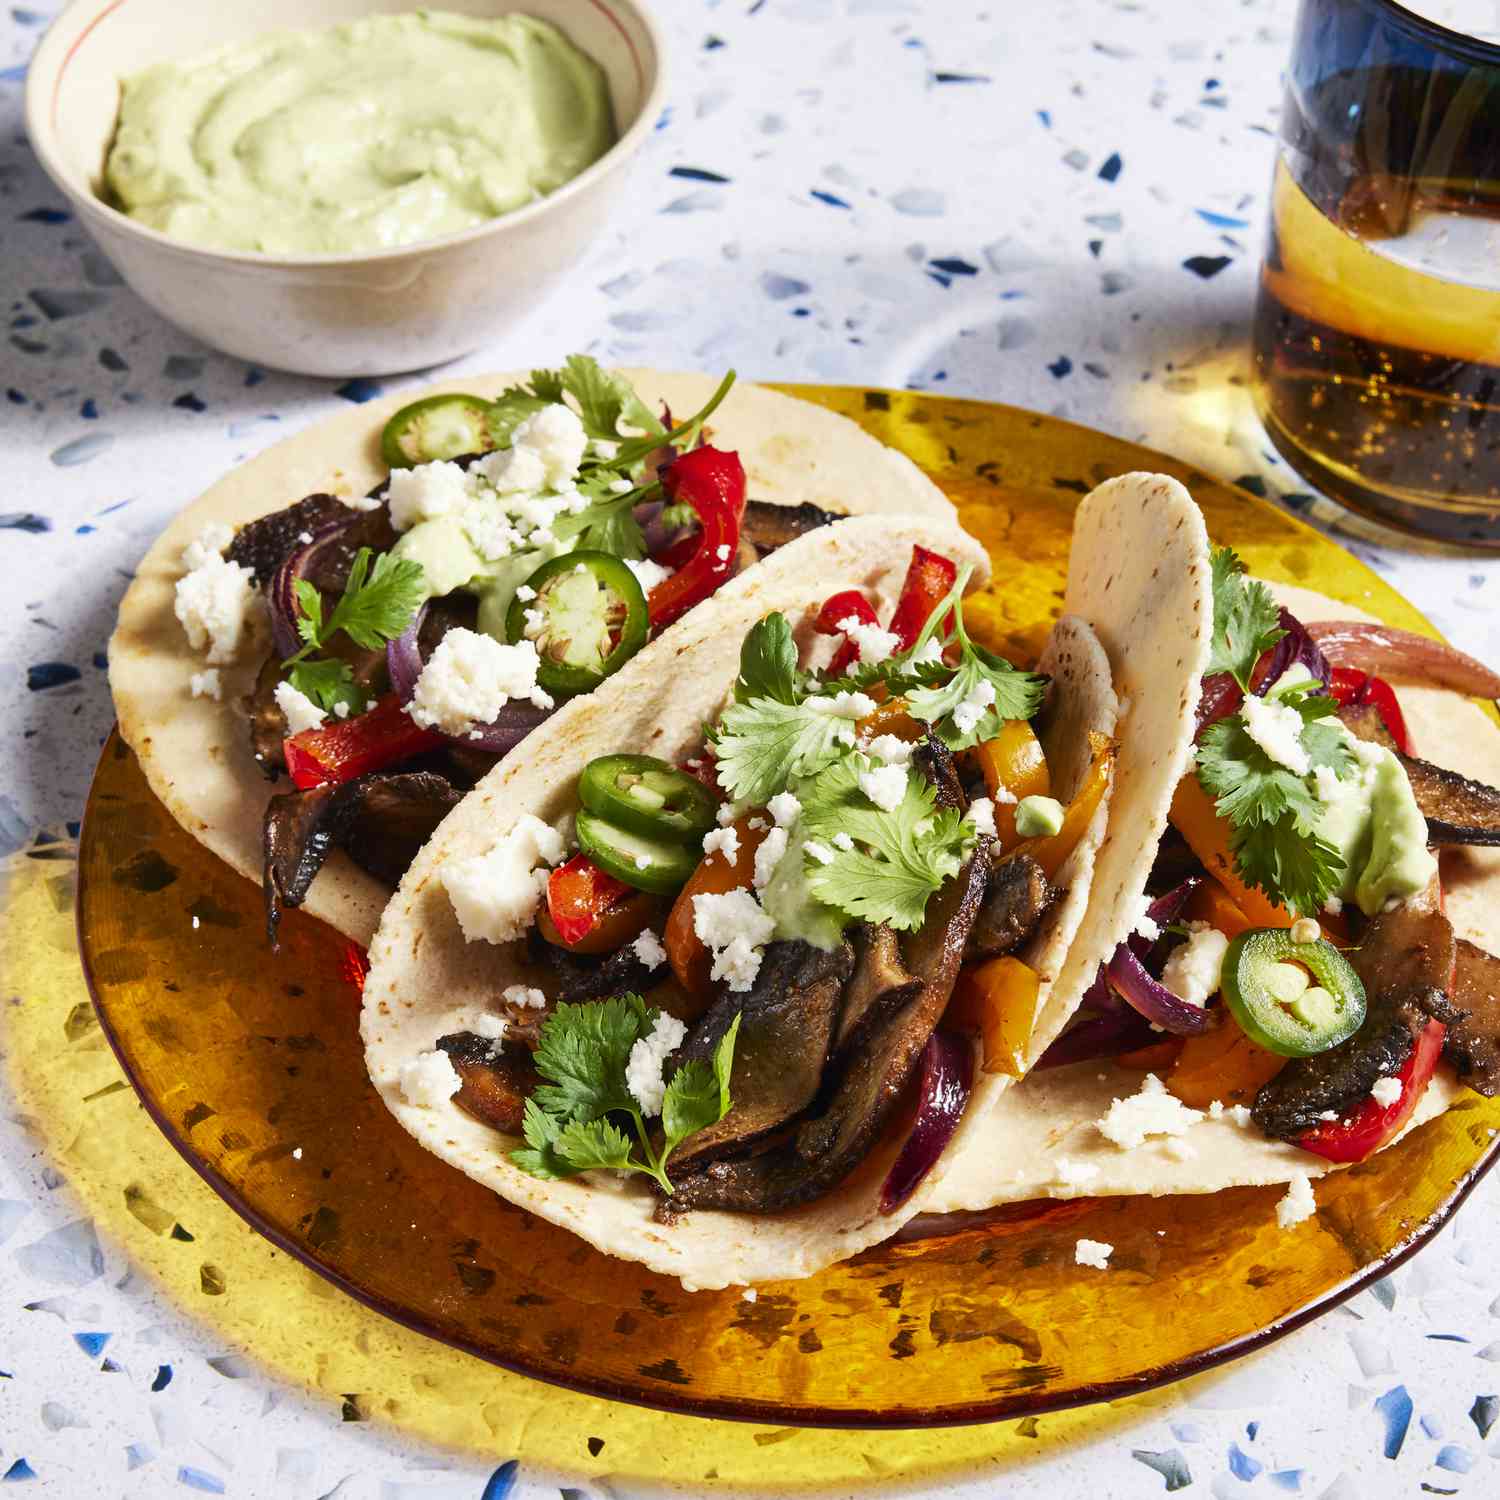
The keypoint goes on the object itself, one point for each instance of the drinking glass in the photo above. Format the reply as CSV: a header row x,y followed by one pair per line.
x,y
1377,322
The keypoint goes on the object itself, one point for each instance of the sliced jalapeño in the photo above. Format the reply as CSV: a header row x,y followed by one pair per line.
x,y
648,796
436,427
648,864
1295,999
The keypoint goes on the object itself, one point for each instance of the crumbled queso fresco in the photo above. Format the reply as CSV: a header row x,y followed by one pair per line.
x,y
1298,1204
644,1075
495,895
1094,1253
1153,1111
213,604
1192,969
1386,1091
873,642
470,677
429,1080
885,786
300,711
734,928
648,948
1277,729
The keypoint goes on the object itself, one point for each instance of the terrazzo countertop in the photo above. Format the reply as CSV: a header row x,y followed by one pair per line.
x,y
1058,206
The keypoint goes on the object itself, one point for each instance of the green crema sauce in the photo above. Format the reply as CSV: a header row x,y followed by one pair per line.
x,y
378,132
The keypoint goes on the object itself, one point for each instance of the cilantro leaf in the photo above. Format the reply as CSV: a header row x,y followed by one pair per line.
x,y
607,523
698,1095
768,663
310,607
605,399
1247,619
328,683
582,1054
512,407
586,1144
378,603
540,1157
898,858
982,681
1289,863
763,744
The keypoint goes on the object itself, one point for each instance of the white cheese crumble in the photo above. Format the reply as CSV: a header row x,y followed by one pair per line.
x,y
1277,728
1071,1173
843,705
1334,905
644,1072
871,641
725,815
843,841
556,437
1192,970
722,551
784,808
769,855
887,748
725,841
932,651
1236,1114
210,542
1299,1203
981,815
885,786
525,593
648,948
491,1027
524,995
1145,925
1386,1091
424,492
1153,1111
749,1294
470,678
213,603
647,573
734,929
300,712
1095,1253
820,852
429,1080
495,895
966,715
206,684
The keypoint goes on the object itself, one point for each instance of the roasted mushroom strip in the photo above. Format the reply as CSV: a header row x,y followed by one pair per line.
x,y
767,527
880,983
495,1081
264,545
583,976
1015,903
1406,965
1472,1045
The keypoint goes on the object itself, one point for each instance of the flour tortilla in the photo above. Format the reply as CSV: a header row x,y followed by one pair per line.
x,y
426,981
1046,1127
195,751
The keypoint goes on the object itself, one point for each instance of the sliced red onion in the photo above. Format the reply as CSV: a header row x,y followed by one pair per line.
x,y
1152,998
403,657
1218,697
1403,655
1166,909
1102,1034
1293,647
947,1077
282,595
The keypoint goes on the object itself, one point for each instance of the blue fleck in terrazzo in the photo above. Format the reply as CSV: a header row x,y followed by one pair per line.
x,y
1057,206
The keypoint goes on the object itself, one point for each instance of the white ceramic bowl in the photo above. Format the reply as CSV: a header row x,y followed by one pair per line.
x,y
372,313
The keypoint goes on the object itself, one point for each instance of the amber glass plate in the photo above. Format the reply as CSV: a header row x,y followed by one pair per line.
x,y
252,1068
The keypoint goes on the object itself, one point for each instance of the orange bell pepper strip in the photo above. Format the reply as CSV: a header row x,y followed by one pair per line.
x,y
1013,763
1052,851
1222,1064
1155,1057
1211,903
1197,820
891,717
686,952
998,999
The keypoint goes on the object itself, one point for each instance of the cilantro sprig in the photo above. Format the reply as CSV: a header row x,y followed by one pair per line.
x,y
1247,619
576,1120
376,606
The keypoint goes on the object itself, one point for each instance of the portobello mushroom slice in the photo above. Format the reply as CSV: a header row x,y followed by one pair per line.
x,y
495,1081
1406,965
1458,811
880,983
1472,1045
382,818
787,1019
935,761
767,527
585,976
868,1084
267,722
263,545
1015,903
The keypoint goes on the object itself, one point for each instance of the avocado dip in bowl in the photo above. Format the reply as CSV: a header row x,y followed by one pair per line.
x,y
344,187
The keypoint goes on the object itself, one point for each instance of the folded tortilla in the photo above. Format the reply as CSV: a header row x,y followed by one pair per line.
x,y
196,752
425,981
1042,1140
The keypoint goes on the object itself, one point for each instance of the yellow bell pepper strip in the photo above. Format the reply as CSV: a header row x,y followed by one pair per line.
x,y
998,999
1013,763
1052,851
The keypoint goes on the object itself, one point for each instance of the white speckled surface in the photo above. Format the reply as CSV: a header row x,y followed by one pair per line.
x,y
994,201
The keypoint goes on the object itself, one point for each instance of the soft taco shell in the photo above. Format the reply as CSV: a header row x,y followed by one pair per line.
x,y
426,981
195,751
1051,1116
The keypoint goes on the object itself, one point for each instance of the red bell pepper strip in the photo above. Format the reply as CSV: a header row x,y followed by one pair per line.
x,y
713,483
579,895
930,576
839,608
1373,1123
1351,686
345,748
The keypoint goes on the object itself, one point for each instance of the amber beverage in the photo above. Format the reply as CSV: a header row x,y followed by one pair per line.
x,y
1377,324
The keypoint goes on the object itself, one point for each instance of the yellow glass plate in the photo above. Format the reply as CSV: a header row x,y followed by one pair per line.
x,y
252,1068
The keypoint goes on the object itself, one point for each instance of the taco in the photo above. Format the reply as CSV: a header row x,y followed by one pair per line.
x,y
1229,1041
751,967
383,611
